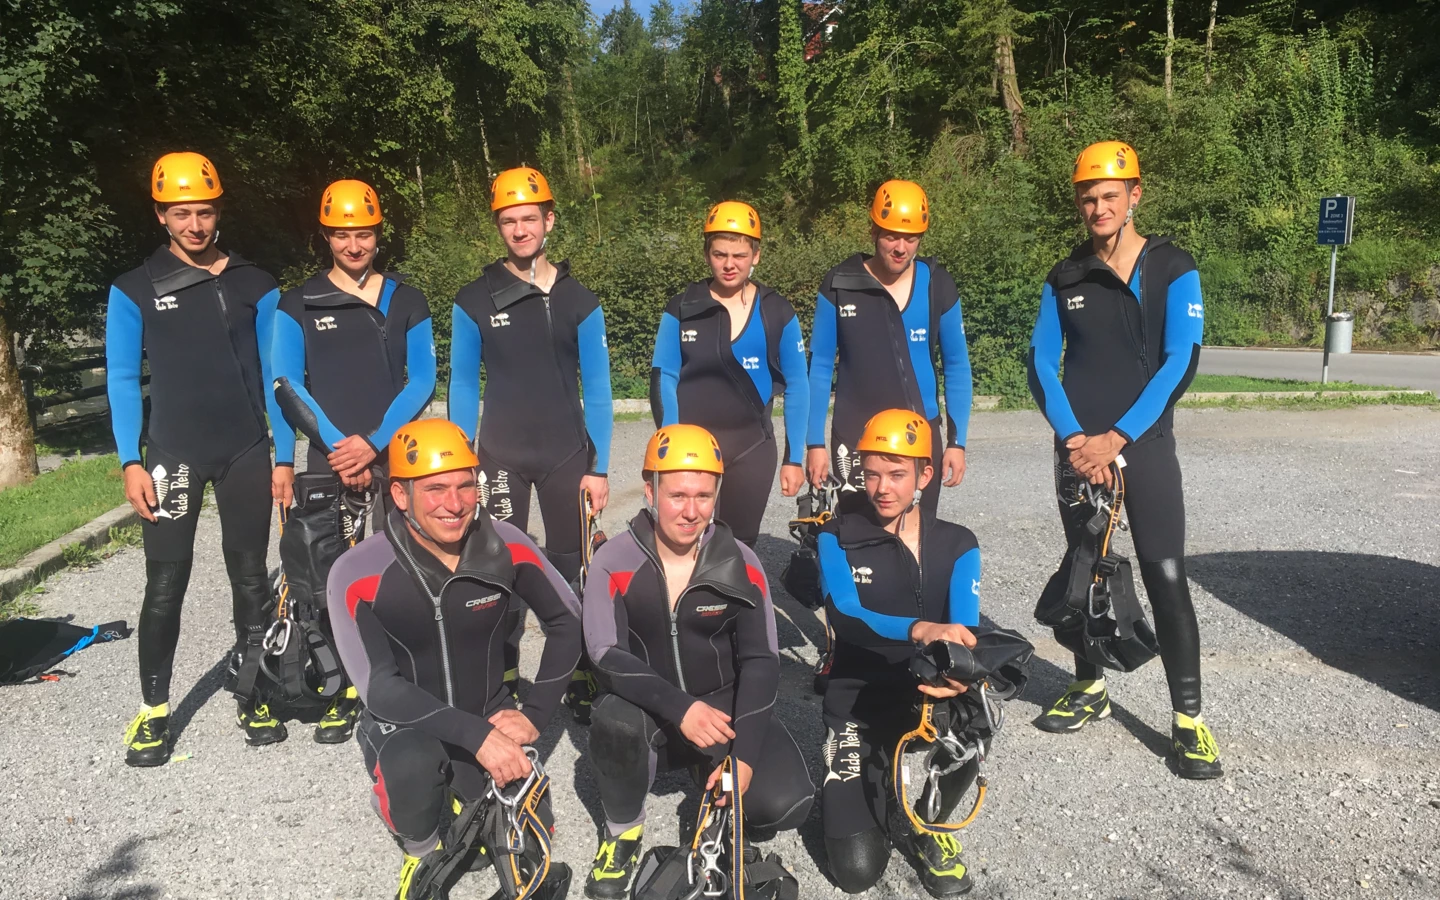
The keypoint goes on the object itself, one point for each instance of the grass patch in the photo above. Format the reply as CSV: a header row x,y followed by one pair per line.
x,y
55,503
1313,403
1204,384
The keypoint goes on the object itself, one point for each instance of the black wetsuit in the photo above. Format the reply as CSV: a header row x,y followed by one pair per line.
x,y
875,590
702,377
424,645
1129,350
209,393
886,361
718,646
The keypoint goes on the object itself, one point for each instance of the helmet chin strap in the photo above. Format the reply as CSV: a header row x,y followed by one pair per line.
x,y
534,260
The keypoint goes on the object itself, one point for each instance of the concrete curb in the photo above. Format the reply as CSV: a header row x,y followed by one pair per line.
x,y
37,565
1320,349
1203,396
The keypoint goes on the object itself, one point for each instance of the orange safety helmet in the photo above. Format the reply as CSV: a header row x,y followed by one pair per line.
x,y
897,432
902,207
350,204
733,217
184,178
430,447
1105,161
683,448
513,187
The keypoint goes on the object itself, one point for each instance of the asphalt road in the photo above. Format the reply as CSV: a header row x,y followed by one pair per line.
x,y
1315,569
1420,371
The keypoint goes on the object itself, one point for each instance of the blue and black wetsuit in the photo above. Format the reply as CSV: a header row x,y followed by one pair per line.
x,y
361,369
1130,349
886,361
875,590
209,394
702,377
539,350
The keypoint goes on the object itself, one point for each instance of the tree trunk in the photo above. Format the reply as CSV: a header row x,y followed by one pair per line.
x,y
1210,41
485,152
17,439
794,84
1009,84
1169,47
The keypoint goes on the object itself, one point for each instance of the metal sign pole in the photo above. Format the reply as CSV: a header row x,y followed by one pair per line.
x,y
1329,308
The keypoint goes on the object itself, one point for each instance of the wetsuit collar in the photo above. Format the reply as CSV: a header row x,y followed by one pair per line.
x,y
170,274
859,528
1082,261
720,566
851,275
319,290
697,300
507,290
483,554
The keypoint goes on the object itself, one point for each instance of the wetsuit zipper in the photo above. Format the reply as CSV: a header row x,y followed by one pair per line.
x,y
439,620
230,342
559,368
673,609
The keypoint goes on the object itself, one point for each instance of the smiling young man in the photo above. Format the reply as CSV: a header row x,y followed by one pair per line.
x,y
679,623
418,612
540,336
202,317
356,346
1124,313
894,577
723,345
887,316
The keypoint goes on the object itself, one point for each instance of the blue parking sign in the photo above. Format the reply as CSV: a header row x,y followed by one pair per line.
x,y
1337,220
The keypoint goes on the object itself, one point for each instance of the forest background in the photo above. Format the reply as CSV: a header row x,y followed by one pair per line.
x,y
1244,114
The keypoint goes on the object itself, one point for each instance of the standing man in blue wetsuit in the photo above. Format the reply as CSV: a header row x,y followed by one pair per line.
x,y
356,346
723,345
1124,313
893,576
202,317
540,335
887,316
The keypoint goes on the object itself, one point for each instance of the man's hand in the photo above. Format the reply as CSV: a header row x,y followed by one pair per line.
x,y
817,465
359,482
599,488
792,478
140,491
743,774
925,633
952,465
503,758
352,454
1093,456
514,725
282,486
954,690
706,726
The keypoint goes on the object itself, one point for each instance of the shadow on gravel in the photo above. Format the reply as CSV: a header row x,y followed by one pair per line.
x,y
121,864
1371,616
199,694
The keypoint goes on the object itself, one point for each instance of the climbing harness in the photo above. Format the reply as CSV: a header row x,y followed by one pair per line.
x,y
1091,602
591,537
957,733
802,575
716,863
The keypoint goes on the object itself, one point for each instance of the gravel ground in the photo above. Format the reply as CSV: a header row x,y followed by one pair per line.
x,y
1315,568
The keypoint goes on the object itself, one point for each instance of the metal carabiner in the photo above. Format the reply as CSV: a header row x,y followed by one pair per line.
x,y
277,636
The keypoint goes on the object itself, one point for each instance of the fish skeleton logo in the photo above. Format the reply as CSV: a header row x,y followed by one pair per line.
x,y
862,574
847,311
688,336
841,754
1195,310
165,302
751,362
326,323
499,320
483,489
917,335
175,488
1075,302
845,463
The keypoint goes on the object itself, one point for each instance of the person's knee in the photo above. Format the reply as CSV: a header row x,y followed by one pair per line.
x,y
411,765
858,861
781,810
618,744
